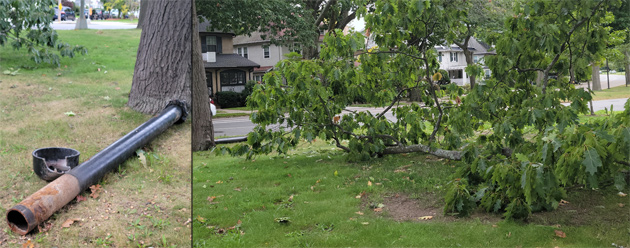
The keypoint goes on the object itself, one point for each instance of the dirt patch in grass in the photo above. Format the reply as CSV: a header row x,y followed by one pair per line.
x,y
587,207
402,208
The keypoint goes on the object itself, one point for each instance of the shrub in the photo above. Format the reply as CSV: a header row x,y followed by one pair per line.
x,y
230,99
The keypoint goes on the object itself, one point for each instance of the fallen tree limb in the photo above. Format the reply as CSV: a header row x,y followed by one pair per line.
x,y
453,155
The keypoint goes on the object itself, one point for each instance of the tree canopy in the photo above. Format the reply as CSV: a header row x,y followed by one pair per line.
x,y
281,21
26,24
520,145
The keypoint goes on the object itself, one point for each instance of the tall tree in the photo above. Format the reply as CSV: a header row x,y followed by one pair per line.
x,y
163,63
202,127
622,24
284,22
26,24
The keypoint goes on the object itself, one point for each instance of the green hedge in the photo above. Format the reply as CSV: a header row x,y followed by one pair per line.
x,y
229,99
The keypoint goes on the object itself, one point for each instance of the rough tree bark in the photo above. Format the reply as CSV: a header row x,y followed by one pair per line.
x,y
627,65
163,64
597,85
202,128
143,11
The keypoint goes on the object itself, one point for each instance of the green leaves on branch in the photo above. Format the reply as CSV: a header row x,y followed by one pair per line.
x,y
26,24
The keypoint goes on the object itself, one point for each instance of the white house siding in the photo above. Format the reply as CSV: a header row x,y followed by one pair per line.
x,y
455,68
256,53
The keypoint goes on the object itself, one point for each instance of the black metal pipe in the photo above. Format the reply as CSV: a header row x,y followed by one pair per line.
x,y
38,207
230,140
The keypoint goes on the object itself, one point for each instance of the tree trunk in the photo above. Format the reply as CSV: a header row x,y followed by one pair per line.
x,y
591,101
597,85
540,78
202,127
627,65
163,64
143,11
81,22
469,61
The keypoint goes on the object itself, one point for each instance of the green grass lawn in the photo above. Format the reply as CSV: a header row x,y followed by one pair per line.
x,y
314,197
612,93
119,20
140,205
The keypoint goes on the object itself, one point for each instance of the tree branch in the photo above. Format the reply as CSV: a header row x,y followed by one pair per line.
x,y
452,155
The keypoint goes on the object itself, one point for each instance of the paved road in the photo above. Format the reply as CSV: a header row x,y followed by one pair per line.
x,y
69,25
240,126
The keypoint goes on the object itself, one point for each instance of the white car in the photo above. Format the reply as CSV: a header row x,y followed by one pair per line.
x,y
213,108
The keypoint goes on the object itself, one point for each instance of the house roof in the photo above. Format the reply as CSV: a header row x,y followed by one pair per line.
x,y
478,47
263,69
230,61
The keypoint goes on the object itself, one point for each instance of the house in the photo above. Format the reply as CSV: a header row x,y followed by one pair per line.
x,y
263,52
453,60
225,70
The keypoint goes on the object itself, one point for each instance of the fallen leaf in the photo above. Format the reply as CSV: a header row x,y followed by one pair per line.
x,y
70,113
365,223
336,173
494,226
98,69
211,198
509,234
201,219
369,183
28,244
291,198
81,198
622,194
560,234
358,197
187,221
69,222
378,210
428,217
96,190
142,157
237,189
219,182
563,202
289,175
621,205
359,213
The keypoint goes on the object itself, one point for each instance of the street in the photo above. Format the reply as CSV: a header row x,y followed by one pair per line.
x,y
69,25
240,126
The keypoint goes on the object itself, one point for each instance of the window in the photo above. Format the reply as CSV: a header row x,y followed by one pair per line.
x,y
440,57
211,43
258,78
242,51
233,80
453,57
266,51
232,77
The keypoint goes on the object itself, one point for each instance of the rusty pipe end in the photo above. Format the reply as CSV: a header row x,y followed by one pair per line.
x,y
35,209
21,219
